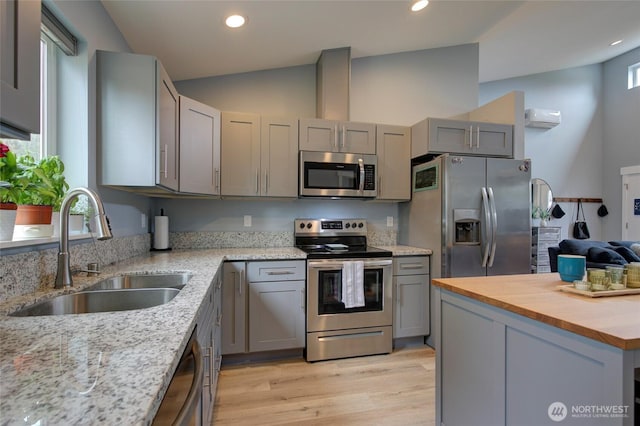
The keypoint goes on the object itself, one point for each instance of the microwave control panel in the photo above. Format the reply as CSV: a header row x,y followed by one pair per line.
x,y
369,177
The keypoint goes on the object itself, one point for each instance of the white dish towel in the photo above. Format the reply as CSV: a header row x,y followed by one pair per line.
x,y
353,284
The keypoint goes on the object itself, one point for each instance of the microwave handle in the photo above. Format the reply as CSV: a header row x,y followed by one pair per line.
x,y
361,165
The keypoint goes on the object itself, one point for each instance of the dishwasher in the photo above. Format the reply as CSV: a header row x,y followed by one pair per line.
x,y
180,404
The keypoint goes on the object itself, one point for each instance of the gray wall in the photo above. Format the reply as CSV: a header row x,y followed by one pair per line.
x,y
569,156
598,135
399,89
621,145
77,110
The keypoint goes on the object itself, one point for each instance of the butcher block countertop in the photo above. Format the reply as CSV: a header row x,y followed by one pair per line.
x,y
614,320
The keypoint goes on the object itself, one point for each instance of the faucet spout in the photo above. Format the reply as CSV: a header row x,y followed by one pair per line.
x,y
63,274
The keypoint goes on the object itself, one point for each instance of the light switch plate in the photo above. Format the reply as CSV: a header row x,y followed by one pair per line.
x,y
143,220
390,221
247,220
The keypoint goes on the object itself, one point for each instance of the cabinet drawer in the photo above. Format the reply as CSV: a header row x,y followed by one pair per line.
x,y
411,265
276,271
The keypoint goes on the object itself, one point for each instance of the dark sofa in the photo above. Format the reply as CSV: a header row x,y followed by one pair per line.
x,y
599,254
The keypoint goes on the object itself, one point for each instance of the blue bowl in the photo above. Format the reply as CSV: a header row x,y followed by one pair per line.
x,y
571,267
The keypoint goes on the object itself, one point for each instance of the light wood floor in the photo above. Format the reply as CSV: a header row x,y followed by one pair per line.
x,y
395,389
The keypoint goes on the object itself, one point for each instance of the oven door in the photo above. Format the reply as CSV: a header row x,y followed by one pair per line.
x,y
324,174
325,309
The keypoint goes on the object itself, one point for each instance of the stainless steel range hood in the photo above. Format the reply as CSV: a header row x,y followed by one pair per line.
x,y
333,84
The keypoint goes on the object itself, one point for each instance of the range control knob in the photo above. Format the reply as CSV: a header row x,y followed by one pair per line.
x,y
347,225
309,225
301,225
354,225
360,225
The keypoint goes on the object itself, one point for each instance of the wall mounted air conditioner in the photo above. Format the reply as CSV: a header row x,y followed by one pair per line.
x,y
541,118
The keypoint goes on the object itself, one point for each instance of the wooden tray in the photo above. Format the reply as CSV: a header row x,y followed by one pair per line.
x,y
569,288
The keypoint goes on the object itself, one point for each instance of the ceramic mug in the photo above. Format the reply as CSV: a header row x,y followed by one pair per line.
x,y
571,267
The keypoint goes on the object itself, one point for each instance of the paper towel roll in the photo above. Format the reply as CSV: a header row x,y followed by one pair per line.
x,y
161,233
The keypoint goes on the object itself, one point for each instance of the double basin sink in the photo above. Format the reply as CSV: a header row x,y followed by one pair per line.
x,y
118,293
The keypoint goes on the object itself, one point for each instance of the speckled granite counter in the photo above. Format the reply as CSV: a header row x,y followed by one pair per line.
x,y
112,367
407,250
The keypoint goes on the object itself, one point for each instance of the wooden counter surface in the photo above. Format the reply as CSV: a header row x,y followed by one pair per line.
x,y
611,320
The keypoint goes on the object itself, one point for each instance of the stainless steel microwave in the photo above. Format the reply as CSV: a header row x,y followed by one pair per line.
x,y
339,175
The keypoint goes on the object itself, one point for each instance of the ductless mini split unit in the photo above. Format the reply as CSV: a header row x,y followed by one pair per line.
x,y
541,118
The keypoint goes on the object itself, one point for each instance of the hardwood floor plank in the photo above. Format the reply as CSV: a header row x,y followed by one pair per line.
x,y
378,390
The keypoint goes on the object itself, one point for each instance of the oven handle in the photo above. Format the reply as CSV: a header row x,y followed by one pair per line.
x,y
338,264
361,166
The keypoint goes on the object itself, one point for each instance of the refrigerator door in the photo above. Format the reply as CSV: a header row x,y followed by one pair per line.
x,y
509,180
466,232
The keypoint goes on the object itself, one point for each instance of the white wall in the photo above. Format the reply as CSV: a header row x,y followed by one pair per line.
x,y
569,156
621,147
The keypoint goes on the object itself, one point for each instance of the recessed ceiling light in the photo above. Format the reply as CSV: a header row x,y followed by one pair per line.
x,y
234,21
419,5
615,42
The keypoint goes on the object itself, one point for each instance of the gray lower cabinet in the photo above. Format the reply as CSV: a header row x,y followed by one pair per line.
x,y
435,135
19,68
263,306
411,295
494,367
208,335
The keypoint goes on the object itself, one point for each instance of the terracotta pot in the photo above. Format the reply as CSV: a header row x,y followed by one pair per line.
x,y
34,215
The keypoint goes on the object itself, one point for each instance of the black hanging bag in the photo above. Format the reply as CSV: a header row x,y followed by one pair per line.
x,y
580,228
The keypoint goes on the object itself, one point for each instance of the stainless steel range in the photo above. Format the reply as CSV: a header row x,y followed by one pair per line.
x,y
349,289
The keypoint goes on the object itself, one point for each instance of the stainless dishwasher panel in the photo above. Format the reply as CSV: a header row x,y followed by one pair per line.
x,y
180,404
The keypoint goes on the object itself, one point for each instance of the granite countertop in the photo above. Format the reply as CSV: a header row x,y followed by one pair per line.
x,y
110,367
400,250
614,320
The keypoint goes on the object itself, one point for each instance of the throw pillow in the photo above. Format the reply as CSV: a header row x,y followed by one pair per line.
x,y
627,253
636,248
579,247
605,255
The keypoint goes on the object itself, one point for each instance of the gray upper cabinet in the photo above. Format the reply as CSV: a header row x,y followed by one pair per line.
x,y
394,162
137,122
259,156
19,68
436,136
199,148
337,136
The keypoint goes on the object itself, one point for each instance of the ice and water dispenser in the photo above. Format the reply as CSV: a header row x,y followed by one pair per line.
x,y
467,226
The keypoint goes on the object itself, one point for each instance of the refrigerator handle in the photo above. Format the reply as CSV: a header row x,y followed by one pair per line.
x,y
494,226
487,223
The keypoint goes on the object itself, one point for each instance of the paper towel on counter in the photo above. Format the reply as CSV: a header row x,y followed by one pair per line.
x,y
161,233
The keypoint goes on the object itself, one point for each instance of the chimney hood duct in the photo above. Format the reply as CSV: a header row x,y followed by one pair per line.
x,y
333,84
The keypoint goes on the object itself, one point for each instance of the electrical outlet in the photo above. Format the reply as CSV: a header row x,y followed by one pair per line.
x,y
390,221
143,220
247,220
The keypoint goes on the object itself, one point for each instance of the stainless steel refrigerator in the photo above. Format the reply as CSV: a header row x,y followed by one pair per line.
x,y
473,212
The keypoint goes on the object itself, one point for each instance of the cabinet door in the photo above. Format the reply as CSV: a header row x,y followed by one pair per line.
x,y
205,339
240,154
449,136
199,148
234,308
394,162
359,138
276,315
279,157
19,68
495,140
411,313
318,135
168,107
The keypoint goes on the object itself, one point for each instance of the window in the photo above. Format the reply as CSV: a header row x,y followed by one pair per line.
x,y
634,76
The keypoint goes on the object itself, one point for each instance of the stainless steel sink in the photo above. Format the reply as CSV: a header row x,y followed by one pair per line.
x,y
100,301
136,281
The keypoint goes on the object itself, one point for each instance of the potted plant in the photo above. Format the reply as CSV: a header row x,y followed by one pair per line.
x,y
8,192
42,187
542,215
